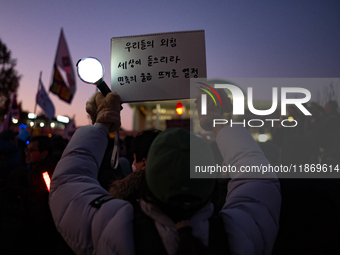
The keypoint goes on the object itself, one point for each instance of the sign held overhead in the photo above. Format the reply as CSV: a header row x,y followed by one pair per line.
x,y
157,66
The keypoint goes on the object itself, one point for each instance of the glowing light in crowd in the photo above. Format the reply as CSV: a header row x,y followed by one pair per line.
x,y
42,124
52,125
31,123
263,138
15,121
90,70
47,180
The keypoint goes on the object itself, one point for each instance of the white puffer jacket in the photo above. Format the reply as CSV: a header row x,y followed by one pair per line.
x,y
250,214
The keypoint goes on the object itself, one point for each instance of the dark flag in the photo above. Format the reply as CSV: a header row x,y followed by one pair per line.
x,y
43,100
65,88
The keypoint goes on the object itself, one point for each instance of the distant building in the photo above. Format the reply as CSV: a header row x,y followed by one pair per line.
x,y
162,115
156,114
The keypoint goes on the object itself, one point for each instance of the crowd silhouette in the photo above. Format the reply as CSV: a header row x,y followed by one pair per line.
x,y
309,222
309,215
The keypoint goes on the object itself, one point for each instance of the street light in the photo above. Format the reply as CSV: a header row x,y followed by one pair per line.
x,y
32,116
90,70
63,119
179,108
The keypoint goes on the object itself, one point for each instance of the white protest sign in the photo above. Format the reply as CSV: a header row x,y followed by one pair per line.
x,y
157,66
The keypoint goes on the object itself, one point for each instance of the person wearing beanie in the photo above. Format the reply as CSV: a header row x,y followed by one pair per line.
x,y
174,215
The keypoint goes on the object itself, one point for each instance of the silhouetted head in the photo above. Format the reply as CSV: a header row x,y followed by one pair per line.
x,y
140,146
167,172
38,149
331,107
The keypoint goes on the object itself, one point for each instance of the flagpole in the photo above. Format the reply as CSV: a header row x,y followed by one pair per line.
x,y
35,106
8,120
55,61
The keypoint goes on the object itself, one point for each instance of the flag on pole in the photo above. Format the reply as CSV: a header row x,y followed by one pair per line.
x,y
44,101
64,88
13,111
15,108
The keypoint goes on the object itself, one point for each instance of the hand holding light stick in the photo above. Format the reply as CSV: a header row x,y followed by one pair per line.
x,y
90,70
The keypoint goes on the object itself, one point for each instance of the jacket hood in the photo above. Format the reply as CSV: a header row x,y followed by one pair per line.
x,y
127,187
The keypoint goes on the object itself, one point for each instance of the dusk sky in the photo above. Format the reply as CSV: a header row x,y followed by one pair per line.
x,y
244,39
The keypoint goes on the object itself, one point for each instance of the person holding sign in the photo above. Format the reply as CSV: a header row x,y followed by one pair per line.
x,y
174,214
